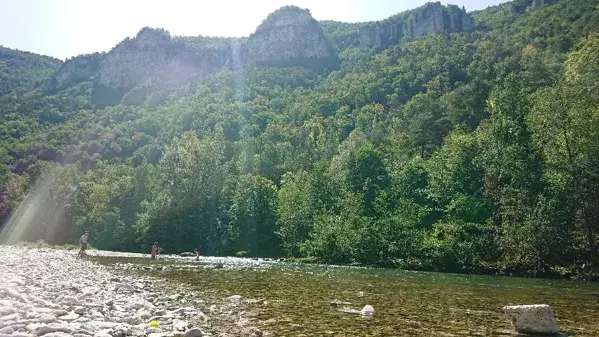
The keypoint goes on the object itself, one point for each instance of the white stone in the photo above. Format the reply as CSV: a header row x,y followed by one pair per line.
x,y
60,312
52,327
6,311
47,318
157,334
144,314
179,325
367,311
124,288
44,310
236,299
532,319
133,320
18,326
10,317
33,326
98,325
176,334
200,316
57,334
95,314
102,334
70,317
7,330
153,330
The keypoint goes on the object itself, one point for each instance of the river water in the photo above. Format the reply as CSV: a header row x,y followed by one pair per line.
x,y
407,303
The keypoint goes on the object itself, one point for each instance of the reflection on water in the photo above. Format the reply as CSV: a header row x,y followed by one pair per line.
x,y
406,303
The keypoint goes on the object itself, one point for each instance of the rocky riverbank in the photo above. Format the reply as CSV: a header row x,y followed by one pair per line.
x,y
51,293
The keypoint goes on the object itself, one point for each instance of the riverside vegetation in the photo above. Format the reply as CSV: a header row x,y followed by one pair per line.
x,y
470,148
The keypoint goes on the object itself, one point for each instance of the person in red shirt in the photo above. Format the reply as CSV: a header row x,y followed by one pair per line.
x,y
154,251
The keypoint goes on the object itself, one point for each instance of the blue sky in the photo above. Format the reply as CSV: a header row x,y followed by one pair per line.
x,y
66,28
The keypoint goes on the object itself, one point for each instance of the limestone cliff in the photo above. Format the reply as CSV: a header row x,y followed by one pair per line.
x,y
432,17
289,34
520,6
151,58
75,70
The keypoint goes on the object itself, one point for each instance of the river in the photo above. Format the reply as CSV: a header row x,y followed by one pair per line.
x,y
296,297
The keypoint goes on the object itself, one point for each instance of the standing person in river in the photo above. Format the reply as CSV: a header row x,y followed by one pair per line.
x,y
154,251
83,244
197,254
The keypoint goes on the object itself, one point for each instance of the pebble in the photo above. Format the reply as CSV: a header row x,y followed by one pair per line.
x,y
236,299
47,318
6,311
7,330
193,332
69,317
51,293
62,312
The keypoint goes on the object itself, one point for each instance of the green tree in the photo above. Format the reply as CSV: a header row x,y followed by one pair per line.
x,y
252,215
367,176
295,213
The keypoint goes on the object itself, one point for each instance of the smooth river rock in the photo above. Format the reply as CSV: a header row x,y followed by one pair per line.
x,y
367,311
534,319
7,330
194,332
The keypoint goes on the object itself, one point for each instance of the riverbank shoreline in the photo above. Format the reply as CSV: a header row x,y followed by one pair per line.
x,y
572,273
50,292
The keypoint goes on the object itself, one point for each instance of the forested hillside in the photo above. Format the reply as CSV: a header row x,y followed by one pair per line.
x,y
469,148
21,70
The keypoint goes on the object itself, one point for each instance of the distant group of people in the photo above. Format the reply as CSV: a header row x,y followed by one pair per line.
x,y
154,253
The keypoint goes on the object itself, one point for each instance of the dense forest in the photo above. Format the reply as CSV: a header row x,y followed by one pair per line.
x,y
470,151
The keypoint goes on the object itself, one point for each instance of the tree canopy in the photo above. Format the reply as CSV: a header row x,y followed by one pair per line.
x,y
470,152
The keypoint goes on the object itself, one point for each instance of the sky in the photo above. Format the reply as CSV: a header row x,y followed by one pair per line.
x,y
67,28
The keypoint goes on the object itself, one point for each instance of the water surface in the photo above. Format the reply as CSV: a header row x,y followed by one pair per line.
x,y
406,303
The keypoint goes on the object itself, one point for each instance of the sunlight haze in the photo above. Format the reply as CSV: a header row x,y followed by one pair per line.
x,y
67,28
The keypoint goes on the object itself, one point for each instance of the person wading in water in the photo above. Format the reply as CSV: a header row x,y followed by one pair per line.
x,y
154,251
83,244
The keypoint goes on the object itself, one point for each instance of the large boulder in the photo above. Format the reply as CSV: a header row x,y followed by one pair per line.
x,y
534,319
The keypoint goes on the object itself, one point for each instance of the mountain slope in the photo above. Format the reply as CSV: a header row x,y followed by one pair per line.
x,y
437,151
20,70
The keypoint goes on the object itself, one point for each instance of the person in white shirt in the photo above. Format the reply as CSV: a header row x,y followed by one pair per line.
x,y
83,244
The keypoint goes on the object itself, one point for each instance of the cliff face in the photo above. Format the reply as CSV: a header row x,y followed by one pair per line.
x,y
73,71
151,58
154,59
519,7
433,17
290,36
289,33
